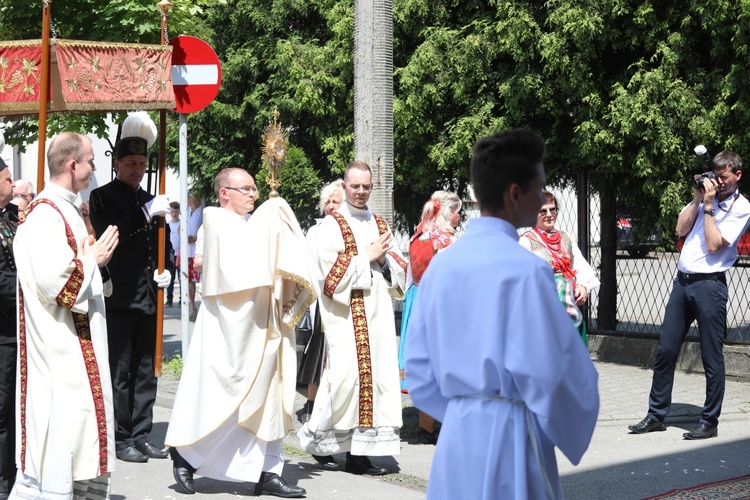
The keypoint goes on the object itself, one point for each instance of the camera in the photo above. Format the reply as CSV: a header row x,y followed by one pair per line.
x,y
708,165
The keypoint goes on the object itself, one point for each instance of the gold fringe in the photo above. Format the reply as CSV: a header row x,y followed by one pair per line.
x,y
305,285
110,45
86,43
20,43
119,106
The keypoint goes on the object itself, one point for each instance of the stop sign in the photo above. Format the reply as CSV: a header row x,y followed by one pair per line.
x,y
196,73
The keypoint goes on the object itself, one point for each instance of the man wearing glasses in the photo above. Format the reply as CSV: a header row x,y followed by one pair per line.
x,y
358,405
236,395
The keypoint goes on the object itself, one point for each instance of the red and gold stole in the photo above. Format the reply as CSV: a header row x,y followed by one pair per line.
x,y
66,298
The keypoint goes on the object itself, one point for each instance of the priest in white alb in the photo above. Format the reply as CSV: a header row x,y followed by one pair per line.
x,y
235,401
358,405
65,435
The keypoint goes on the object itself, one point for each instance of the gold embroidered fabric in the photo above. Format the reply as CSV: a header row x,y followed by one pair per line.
x,y
359,320
85,76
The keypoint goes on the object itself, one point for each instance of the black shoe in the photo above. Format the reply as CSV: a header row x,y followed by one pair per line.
x,y
326,461
130,454
426,437
357,464
704,430
168,304
151,451
184,478
273,484
648,424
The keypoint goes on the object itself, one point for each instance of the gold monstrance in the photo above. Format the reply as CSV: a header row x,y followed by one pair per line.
x,y
274,151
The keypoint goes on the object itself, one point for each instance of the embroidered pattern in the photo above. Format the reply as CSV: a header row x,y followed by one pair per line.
x,y
23,367
359,321
83,331
67,296
382,229
336,274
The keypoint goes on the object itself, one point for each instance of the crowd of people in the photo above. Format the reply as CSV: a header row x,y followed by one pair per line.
x,y
490,343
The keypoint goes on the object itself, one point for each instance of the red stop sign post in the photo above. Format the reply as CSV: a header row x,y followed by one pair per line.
x,y
196,73
196,78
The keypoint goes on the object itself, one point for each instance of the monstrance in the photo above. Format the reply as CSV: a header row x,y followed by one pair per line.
x,y
274,151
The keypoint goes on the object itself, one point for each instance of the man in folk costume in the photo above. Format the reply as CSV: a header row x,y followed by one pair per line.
x,y
358,405
235,400
491,351
131,309
64,440
8,330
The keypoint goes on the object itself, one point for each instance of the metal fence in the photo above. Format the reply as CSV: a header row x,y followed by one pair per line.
x,y
643,283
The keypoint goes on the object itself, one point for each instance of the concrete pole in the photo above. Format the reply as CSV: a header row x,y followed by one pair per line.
x,y
373,98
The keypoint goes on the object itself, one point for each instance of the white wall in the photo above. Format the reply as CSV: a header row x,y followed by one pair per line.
x,y
24,165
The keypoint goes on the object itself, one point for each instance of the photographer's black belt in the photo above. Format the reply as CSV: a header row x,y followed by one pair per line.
x,y
701,276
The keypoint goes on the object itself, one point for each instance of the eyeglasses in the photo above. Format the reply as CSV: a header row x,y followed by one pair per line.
x,y
551,211
364,187
244,190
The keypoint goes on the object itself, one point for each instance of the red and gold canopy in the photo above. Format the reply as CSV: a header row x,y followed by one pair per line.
x,y
86,76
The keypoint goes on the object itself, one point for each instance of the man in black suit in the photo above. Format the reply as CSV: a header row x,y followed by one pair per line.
x,y
131,309
8,344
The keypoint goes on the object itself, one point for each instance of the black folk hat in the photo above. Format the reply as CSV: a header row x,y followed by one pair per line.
x,y
130,146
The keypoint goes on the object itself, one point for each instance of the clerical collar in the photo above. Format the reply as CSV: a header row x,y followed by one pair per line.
x,y
355,210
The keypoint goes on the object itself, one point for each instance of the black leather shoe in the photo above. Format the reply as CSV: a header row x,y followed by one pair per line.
x,y
130,454
702,431
151,451
326,461
184,478
648,424
426,437
357,464
273,484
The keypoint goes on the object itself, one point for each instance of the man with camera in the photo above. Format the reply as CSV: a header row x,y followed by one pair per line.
x,y
711,224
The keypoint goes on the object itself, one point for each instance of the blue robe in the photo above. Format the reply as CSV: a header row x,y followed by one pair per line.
x,y
492,354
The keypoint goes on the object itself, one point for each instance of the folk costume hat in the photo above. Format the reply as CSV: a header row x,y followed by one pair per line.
x,y
138,134
130,146
3,165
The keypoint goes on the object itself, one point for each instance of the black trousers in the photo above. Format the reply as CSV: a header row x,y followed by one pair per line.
x,y
132,337
8,354
704,300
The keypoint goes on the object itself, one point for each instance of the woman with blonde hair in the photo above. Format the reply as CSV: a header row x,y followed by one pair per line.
x,y
435,232
311,365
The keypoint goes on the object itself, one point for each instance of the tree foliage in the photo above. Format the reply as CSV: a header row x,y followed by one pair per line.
x,y
620,88
292,55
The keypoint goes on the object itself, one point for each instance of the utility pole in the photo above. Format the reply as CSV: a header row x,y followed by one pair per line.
x,y
373,98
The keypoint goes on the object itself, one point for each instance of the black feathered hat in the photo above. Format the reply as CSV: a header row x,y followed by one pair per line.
x,y
131,146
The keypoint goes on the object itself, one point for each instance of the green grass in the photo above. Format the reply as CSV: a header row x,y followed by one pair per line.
x,y
288,449
172,367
